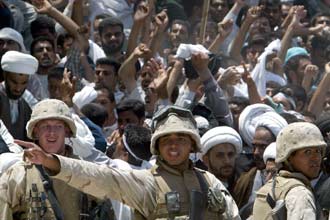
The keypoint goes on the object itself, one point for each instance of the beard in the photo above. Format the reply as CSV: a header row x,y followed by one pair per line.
x,y
10,95
112,48
219,171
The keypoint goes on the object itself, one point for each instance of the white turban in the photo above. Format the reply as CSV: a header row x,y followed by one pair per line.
x,y
247,120
270,152
17,62
271,120
221,135
12,34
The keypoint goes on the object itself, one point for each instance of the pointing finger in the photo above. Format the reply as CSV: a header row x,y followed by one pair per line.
x,y
24,143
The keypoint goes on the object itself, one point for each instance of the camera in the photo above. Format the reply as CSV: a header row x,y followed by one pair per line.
x,y
214,65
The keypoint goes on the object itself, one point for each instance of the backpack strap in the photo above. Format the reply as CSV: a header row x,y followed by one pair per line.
x,y
271,200
48,186
202,182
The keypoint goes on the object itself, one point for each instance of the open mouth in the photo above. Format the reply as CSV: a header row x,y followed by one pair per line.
x,y
173,153
51,141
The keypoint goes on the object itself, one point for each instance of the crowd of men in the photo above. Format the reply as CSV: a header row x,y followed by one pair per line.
x,y
164,109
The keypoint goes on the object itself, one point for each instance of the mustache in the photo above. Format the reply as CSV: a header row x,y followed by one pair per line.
x,y
227,166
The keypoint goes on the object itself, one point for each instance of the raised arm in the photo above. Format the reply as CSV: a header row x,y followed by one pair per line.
x,y
254,96
296,28
161,23
316,104
140,17
295,14
214,96
127,71
77,15
224,29
310,73
235,50
44,7
175,73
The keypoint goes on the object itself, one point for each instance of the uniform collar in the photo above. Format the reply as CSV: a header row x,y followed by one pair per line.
x,y
161,163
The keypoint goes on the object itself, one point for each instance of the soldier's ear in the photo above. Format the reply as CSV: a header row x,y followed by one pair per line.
x,y
68,132
35,133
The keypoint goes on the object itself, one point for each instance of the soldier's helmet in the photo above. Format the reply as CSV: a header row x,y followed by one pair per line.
x,y
297,136
50,109
173,119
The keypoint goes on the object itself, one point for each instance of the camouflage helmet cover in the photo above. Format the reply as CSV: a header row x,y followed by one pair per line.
x,y
50,109
297,136
173,119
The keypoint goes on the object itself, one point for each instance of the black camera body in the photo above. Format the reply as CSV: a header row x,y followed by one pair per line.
x,y
214,65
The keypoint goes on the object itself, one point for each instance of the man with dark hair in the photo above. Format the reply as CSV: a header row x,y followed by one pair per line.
x,y
43,49
96,23
107,100
112,36
6,17
96,113
130,151
134,147
106,73
55,77
210,33
273,11
130,111
321,18
178,34
106,76
218,10
94,116
43,26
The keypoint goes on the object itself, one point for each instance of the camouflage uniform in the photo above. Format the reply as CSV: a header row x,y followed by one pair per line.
x,y
145,190
18,199
292,189
14,194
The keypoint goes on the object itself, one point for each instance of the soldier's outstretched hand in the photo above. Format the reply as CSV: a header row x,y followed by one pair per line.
x,y
36,155
32,152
